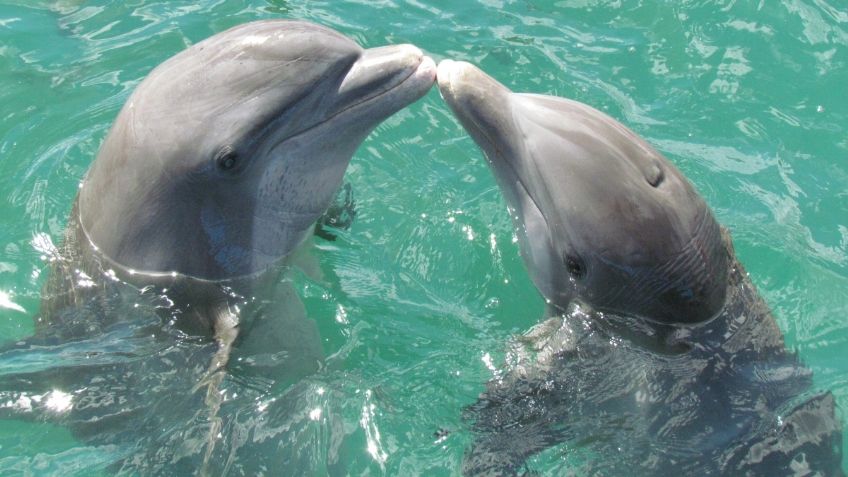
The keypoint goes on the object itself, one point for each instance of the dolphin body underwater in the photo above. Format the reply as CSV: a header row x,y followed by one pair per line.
x,y
660,357
209,182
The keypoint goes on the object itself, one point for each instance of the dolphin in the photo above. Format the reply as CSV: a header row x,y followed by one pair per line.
x,y
207,186
659,356
222,160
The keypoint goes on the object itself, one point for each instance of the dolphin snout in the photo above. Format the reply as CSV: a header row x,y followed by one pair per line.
x,y
448,74
460,78
480,103
381,69
470,92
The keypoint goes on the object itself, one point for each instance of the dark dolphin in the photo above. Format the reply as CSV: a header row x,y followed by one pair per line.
x,y
661,358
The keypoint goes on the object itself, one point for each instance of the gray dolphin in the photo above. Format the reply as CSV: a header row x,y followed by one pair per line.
x,y
225,156
210,180
661,356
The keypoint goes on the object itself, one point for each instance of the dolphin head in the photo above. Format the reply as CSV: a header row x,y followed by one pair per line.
x,y
226,154
601,216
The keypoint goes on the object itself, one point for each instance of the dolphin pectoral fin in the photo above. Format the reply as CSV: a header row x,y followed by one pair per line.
x,y
282,344
323,233
505,453
809,442
303,258
226,325
339,215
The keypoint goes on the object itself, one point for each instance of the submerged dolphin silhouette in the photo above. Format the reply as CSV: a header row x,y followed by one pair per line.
x,y
661,358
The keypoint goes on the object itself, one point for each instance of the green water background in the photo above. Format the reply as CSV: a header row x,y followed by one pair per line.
x,y
748,98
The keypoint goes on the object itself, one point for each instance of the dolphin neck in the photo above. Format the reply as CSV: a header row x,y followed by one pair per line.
x,y
77,233
744,322
191,304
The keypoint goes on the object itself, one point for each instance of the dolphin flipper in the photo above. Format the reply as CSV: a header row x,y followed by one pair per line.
x,y
339,215
809,442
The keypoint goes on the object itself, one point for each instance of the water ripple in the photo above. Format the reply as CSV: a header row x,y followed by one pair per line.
x,y
744,96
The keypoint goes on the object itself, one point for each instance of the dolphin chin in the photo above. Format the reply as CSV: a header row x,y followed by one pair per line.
x,y
660,351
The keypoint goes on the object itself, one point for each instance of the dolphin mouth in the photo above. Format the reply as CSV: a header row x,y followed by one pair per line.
x,y
469,92
380,70
473,95
445,76
398,70
402,71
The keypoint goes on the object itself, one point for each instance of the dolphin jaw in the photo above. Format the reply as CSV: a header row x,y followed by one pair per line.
x,y
399,88
389,65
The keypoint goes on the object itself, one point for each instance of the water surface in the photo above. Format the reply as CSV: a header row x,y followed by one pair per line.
x,y
426,288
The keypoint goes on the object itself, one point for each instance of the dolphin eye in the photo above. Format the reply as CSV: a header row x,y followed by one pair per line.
x,y
227,159
655,175
575,266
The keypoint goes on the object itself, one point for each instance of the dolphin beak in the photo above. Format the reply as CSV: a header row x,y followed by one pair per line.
x,y
379,70
450,73
481,103
468,88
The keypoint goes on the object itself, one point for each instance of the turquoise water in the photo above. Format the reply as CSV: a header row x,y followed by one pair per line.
x,y
426,288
